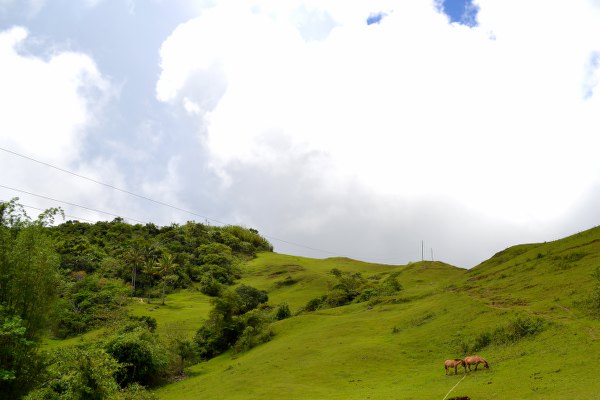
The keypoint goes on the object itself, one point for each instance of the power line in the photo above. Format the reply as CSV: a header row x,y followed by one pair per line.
x,y
41,209
143,222
111,186
71,204
141,197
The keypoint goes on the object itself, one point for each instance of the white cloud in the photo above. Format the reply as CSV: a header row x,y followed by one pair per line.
x,y
46,104
501,118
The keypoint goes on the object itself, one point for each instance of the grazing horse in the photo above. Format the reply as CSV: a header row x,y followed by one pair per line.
x,y
454,364
475,360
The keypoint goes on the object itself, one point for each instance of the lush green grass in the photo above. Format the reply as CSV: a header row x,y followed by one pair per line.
x,y
183,311
396,351
395,348
88,337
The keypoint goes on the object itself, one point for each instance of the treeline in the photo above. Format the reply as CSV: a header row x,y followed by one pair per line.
x,y
107,261
62,280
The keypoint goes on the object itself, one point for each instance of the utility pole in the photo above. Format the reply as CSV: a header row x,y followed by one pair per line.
x,y
432,254
422,257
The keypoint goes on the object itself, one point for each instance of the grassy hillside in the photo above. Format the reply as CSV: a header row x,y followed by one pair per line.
x,y
394,348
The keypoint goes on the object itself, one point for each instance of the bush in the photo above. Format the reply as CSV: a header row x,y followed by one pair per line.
x,y
283,312
366,295
250,297
513,331
88,302
256,331
144,359
210,286
228,321
338,297
145,321
390,285
314,304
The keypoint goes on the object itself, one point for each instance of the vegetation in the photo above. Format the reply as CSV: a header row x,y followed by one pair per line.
x,y
234,322
70,278
352,287
236,315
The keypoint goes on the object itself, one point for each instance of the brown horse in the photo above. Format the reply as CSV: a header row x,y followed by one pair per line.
x,y
454,364
475,360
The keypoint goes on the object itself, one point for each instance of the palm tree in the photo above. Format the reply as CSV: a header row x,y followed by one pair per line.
x,y
166,266
136,257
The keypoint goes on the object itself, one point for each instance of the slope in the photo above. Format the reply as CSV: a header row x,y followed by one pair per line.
x,y
395,348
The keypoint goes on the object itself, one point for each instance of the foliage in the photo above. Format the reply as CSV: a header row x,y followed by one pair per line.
x,y
256,331
166,267
79,373
250,297
28,282
183,352
118,249
314,304
232,320
143,358
20,364
283,312
515,330
28,274
353,287
87,303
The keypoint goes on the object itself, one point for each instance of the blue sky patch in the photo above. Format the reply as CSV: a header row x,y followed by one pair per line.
x,y
461,11
375,18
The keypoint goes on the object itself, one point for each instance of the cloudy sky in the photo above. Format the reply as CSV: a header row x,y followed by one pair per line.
x,y
351,128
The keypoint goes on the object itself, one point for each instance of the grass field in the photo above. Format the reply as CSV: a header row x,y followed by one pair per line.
x,y
395,348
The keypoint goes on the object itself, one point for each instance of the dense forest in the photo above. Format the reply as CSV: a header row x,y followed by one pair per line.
x,y
62,279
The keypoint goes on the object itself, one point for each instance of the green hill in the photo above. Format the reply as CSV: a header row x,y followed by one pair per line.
x,y
524,310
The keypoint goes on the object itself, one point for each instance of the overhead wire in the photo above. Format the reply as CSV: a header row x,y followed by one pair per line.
x,y
71,204
41,209
270,237
111,186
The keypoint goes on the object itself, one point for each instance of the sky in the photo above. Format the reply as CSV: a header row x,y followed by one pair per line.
x,y
382,130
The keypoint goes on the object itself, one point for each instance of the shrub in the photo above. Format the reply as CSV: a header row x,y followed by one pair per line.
x,y
250,297
252,337
338,297
283,312
87,302
513,331
79,373
314,304
390,285
210,286
228,321
366,295
146,321
144,359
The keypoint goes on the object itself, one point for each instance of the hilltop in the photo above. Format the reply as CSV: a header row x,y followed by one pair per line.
x,y
524,310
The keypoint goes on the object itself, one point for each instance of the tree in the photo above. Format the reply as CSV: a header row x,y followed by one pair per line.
x,y
80,373
28,281
166,267
143,358
135,256
19,363
250,297
28,266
